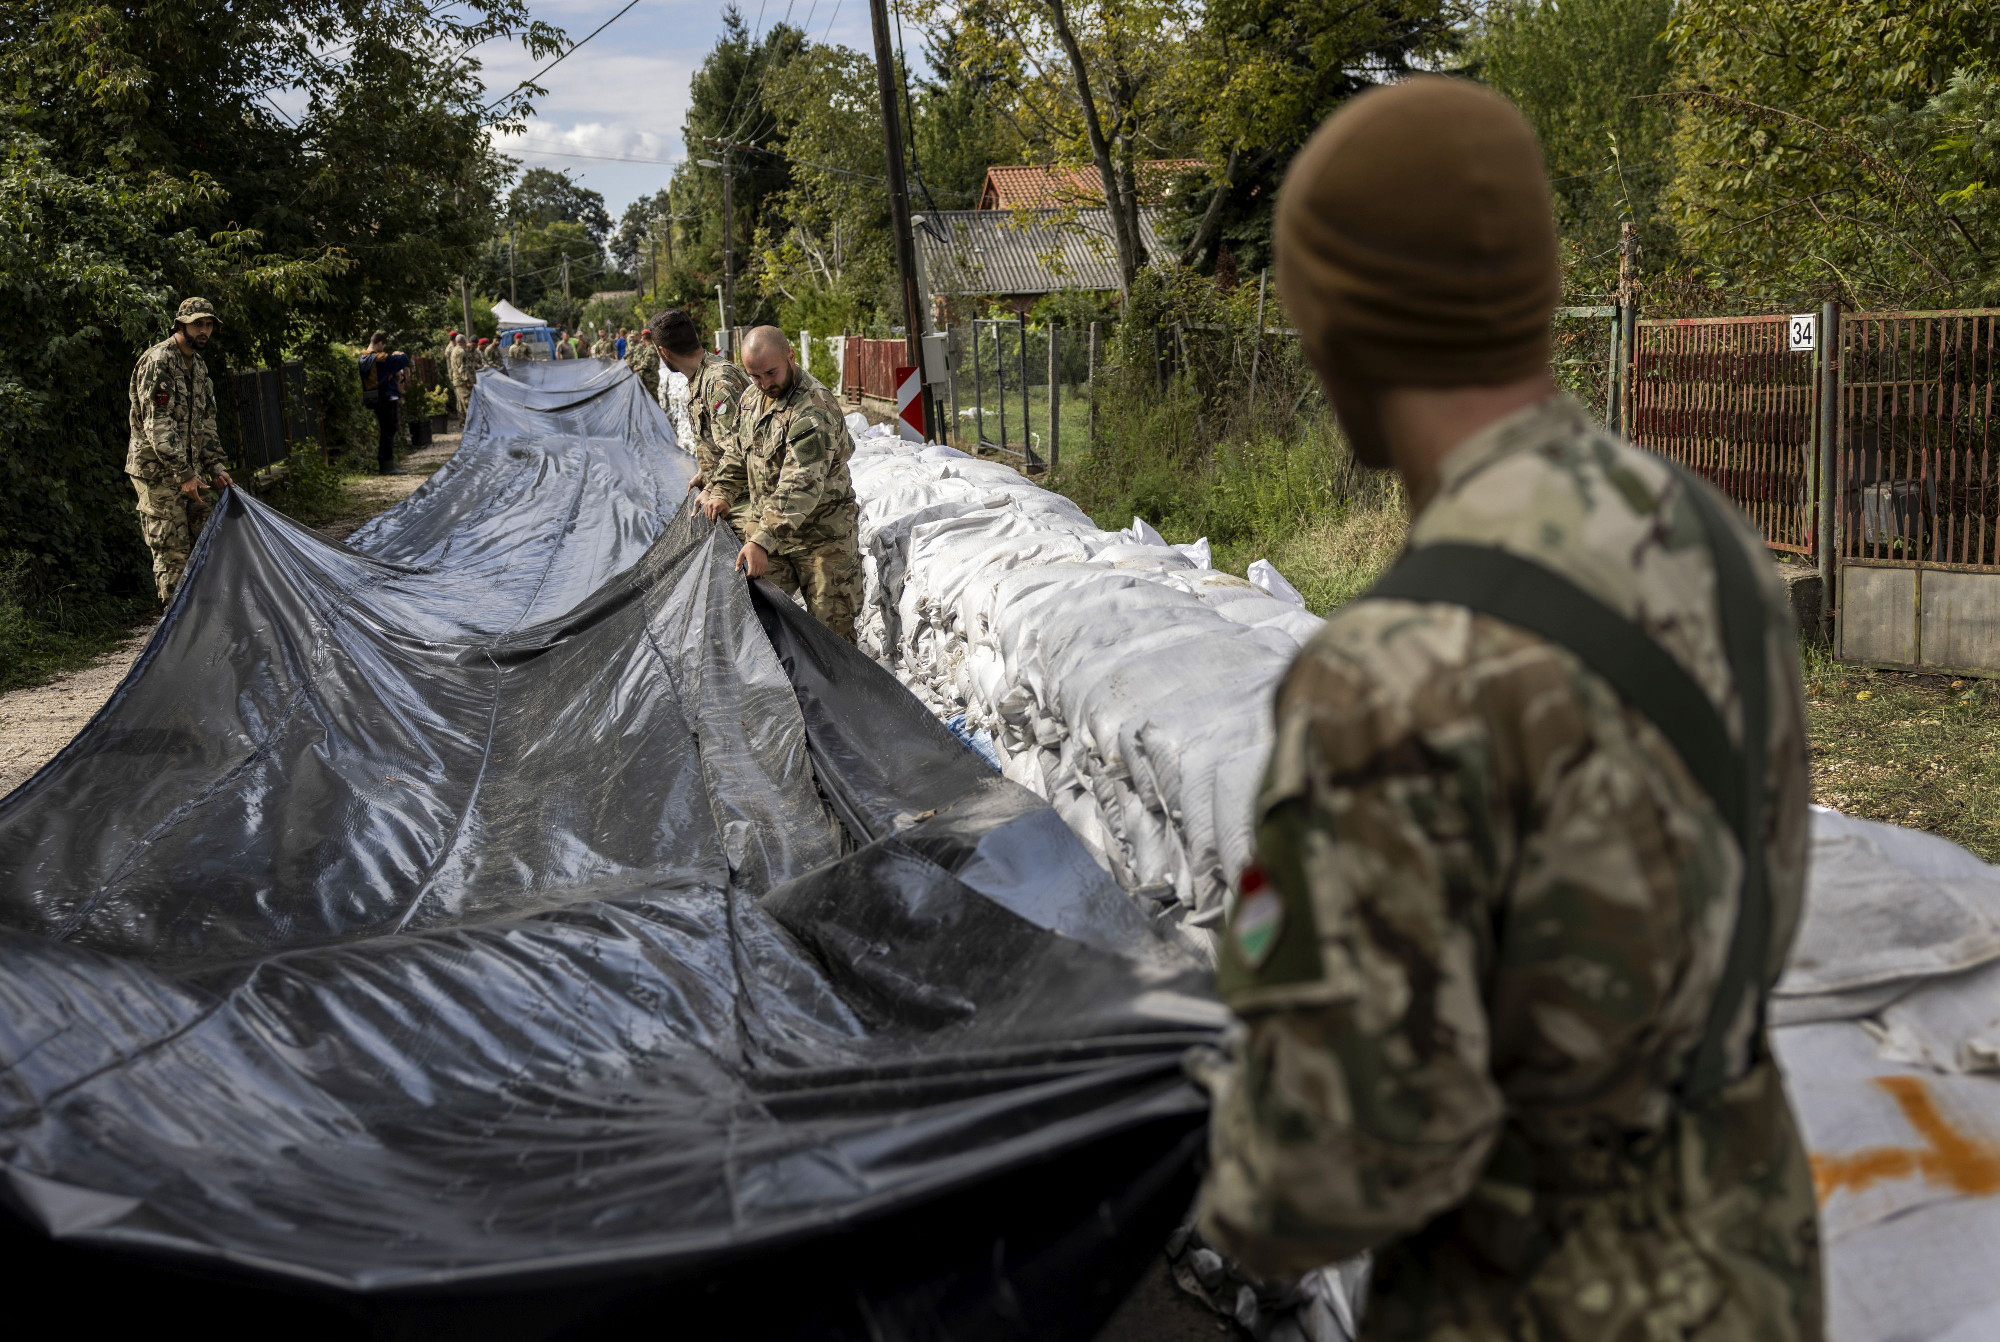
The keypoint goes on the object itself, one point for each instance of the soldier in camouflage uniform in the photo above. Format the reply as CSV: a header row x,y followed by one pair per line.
x,y
715,388
603,347
489,353
462,368
643,358
1501,959
517,349
784,474
174,442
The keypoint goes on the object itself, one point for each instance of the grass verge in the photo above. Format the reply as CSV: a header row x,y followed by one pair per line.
x,y
1914,750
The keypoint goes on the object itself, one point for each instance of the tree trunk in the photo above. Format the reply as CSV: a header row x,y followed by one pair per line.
x,y
1124,238
1211,218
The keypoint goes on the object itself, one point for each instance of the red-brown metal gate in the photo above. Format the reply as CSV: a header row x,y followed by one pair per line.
x,y
1730,399
1918,489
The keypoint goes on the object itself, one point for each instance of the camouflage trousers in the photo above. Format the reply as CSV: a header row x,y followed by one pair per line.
x,y
463,391
829,577
170,521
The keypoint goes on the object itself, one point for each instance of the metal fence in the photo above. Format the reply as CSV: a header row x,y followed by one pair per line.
x,y
274,410
1736,400
1917,489
1917,479
868,368
1020,390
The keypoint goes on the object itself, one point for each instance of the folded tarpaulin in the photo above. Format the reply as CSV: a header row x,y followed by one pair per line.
x,y
513,922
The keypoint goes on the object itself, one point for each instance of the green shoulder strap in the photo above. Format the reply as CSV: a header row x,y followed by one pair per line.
x,y
1520,592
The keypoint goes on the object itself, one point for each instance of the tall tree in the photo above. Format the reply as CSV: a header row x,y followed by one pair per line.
x,y
543,196
1836,148
311,166
730,104
1089,82
1258,76
1587,74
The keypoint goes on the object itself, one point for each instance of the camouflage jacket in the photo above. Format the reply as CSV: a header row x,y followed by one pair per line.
x,y
715,394
173,418
461,364
518,349
644,360
1495,906
603,347
789,456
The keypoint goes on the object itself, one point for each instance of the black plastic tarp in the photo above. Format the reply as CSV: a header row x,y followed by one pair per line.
x,y
512,922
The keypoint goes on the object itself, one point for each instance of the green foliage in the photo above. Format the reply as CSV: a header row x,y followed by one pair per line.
x,y
544,196
1074,309
307,487
729,101
1586,73
1251,79
827,233
140,162
1837,154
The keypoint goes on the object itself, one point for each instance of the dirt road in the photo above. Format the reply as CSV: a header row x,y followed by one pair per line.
x,y
37,722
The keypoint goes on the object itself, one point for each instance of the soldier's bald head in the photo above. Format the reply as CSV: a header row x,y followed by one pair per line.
x,y
767,341
767,358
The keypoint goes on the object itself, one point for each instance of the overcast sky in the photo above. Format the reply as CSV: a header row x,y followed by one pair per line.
x,y
623,94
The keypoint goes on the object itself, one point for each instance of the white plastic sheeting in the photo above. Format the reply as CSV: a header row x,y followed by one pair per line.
x,y
1887,1024
1119,676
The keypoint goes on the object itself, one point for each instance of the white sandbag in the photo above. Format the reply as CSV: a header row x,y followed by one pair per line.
x,y
1264,574
1119,676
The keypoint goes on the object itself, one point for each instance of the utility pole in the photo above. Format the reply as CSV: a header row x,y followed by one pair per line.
x,y
465,296
1628,323
513,289
899,192
728,236
565,275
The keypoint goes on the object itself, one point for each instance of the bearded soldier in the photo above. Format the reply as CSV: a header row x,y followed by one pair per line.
x,y
783,475
174,442
715,388
1531,843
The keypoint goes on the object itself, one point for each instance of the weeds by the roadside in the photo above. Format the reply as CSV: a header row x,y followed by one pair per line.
x,y
1922,751
68,635
307,488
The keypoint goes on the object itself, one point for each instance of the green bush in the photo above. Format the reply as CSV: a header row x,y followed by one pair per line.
x,y
307,488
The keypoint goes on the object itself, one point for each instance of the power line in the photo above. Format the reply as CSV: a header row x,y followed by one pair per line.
x,y
558,60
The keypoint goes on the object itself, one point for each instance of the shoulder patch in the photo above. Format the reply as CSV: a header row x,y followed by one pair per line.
x,y
1260,917
163,395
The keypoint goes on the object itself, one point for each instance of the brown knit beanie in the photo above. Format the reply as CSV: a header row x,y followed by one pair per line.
x,y
1415,244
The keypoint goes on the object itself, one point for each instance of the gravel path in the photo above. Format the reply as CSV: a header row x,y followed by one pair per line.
x,y
37,722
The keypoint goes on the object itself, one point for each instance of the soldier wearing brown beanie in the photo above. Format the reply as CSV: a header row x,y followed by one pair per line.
x,y
1531,843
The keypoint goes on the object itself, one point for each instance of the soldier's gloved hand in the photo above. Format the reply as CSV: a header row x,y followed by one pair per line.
x,y
192,488
712,506
752,560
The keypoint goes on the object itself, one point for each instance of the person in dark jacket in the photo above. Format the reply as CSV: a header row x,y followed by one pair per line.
x,y
382,392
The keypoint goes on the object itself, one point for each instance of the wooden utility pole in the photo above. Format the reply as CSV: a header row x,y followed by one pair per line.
x,y
513,289
1628,323
1628,260
465,296
899,195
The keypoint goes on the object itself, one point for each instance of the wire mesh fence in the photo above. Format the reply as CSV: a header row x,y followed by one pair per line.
x,y
1020,390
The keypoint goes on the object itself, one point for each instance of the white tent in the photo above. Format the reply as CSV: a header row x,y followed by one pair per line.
x,y
512,318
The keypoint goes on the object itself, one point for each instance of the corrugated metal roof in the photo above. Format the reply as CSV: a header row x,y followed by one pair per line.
x,y
1041,186
1023,251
